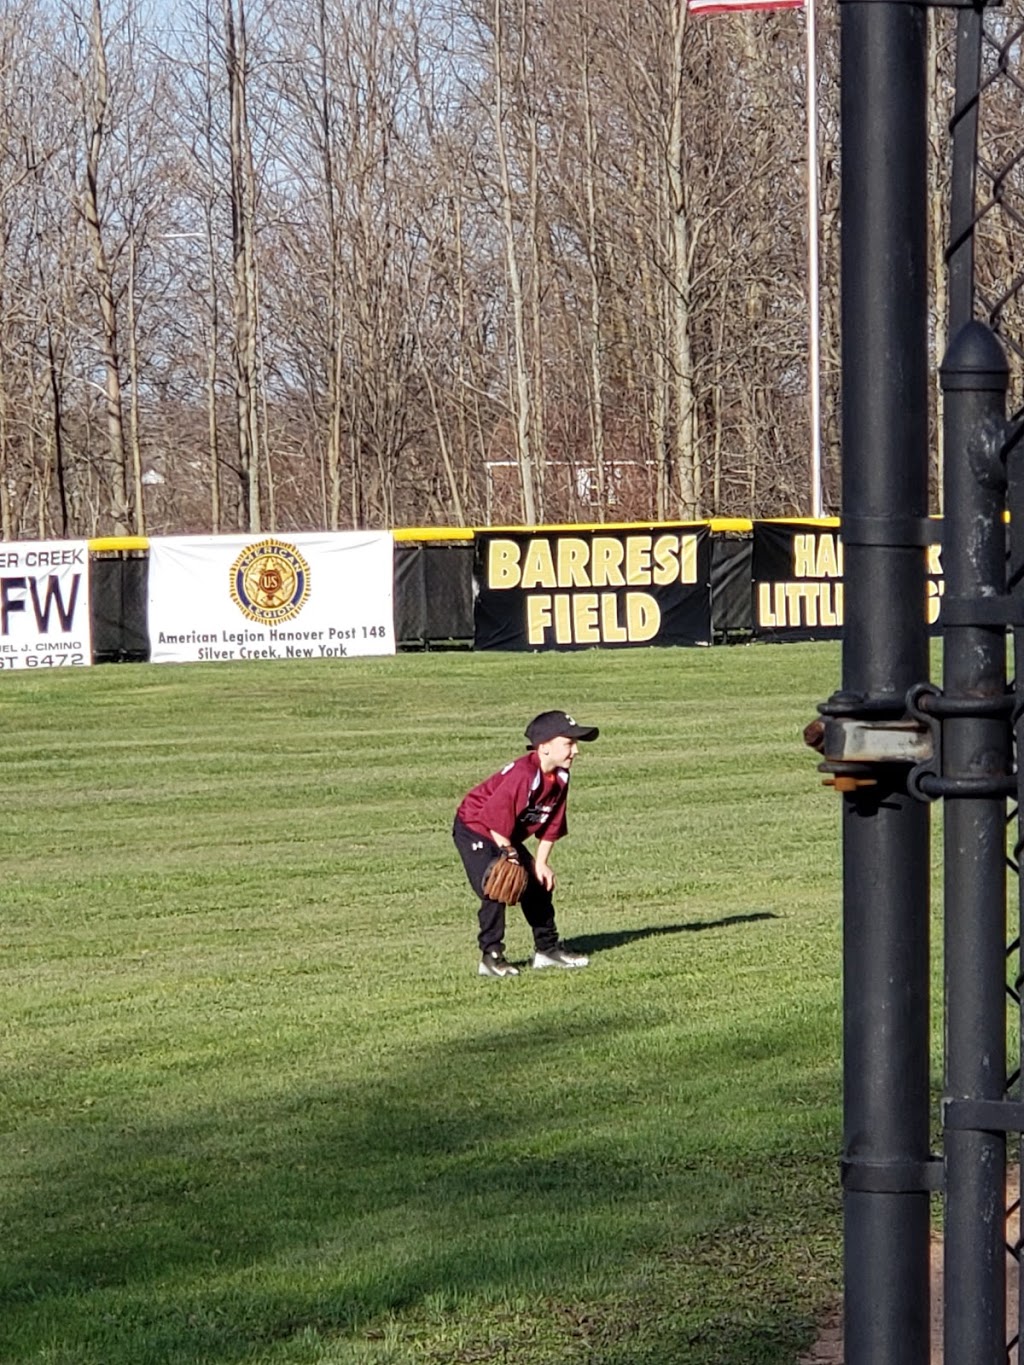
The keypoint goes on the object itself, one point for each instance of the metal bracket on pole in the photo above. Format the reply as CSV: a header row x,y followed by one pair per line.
x,y
870,742
894,532
881,741
983,1116
893,1177
929,705
983,611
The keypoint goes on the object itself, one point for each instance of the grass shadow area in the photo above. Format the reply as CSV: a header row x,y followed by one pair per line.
x,y
358,1220
257,1104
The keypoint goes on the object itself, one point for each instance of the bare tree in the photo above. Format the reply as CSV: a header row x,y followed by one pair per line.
x,y
243,227
96,115
374,263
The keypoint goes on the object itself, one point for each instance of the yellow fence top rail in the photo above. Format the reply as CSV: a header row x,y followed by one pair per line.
x,y
802,521
100,543
596,526
432,533
469,532
737,525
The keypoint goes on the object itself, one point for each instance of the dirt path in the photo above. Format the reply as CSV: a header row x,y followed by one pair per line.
x,y
828,1348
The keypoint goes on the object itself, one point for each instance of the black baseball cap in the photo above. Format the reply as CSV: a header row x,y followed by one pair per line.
x,y
551,724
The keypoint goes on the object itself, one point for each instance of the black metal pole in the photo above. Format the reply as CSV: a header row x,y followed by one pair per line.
x,y
1015,588
975,746
885,652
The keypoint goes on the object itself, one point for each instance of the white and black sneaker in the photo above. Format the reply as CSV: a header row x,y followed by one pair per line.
x,y
559,956
494,964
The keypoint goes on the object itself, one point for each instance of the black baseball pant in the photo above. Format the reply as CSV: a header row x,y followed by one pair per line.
x,y
477,853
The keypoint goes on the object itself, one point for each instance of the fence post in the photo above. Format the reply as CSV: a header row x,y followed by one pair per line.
x,y
885,652
976,762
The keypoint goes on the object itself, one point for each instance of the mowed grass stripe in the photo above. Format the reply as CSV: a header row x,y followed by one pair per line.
x,y
257,1106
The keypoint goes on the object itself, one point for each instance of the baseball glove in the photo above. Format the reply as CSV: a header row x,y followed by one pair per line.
x,y
506,879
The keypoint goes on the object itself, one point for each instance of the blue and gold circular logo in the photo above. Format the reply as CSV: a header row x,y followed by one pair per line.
x,y
270,582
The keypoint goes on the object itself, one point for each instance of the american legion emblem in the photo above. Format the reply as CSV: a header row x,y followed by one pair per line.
x,y
270,582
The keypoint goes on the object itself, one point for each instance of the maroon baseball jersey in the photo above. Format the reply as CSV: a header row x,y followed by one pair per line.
x,y
519,801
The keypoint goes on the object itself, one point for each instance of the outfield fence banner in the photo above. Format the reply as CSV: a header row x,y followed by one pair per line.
x,y
305,596
574,588
797,578
45,617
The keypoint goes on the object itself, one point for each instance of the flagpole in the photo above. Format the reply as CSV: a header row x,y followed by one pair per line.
x,y
814,347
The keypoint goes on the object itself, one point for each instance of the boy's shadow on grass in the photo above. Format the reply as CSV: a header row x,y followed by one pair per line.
x,y
600,943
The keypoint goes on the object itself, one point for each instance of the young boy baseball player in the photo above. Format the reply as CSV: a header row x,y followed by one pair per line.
x,y
528,797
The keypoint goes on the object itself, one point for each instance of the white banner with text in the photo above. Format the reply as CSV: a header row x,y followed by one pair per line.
x,y
44,604
305,596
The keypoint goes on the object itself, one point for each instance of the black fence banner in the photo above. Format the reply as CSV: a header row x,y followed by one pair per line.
x,y
730,584
797,574
433,592
584,587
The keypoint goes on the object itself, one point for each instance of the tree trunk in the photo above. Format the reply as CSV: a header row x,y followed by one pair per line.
x,y
243,257
133,409
97,99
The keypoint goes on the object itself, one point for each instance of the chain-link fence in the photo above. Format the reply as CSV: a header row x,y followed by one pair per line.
x,y
986,254
986,276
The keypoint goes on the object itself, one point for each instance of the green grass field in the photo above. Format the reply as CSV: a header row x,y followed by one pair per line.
x,y
256,1104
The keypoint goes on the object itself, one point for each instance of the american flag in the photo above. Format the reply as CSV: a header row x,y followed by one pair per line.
x,y
727,6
